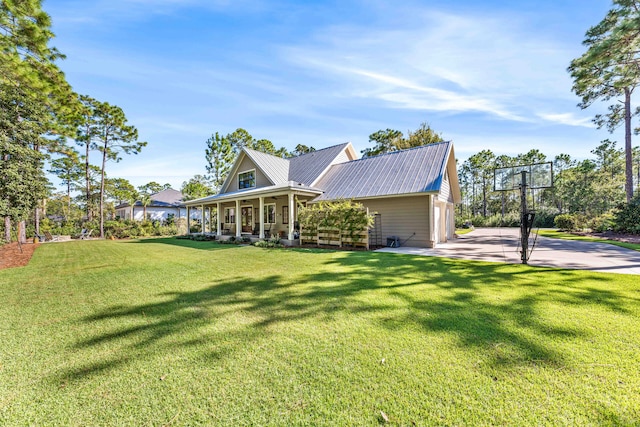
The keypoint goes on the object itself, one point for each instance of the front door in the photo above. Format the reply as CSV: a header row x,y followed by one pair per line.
x,y
246,213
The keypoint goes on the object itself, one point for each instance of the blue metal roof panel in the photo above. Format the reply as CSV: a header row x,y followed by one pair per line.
x,y
409,171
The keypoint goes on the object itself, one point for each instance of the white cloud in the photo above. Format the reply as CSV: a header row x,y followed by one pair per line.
x,y
444,63
569,119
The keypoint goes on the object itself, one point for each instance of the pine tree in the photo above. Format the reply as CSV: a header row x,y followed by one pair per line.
x,y
610,70
113,137
219,155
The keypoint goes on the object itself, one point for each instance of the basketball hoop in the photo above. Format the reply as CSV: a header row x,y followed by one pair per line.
x,y
534,176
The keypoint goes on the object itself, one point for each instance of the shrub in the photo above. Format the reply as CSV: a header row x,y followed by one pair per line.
x,y
627,217
568,222
273,242
545,218
602,223
348,217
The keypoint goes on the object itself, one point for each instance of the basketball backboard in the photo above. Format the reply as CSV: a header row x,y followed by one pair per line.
x,y
538,175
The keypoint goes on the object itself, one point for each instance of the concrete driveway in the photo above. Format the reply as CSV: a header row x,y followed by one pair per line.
x,y
502,245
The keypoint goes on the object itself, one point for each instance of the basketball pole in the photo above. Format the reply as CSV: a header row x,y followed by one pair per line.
x,y
524,233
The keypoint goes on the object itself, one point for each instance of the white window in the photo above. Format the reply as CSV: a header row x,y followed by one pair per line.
x,y
270,214
229,215
247,179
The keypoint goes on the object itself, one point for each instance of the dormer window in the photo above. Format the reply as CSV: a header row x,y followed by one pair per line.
x,y
247,180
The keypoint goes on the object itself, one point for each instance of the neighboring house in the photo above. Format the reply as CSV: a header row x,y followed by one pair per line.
x,y
163,204
413,191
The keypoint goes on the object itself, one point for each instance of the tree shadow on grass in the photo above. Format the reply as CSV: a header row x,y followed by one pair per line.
x,y
493,307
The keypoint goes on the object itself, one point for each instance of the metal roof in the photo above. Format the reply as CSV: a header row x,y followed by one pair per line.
x,y
275,168
306,168
164,198
416,170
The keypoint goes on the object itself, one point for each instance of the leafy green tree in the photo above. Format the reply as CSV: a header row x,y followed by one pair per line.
x,y
113,137
34,96
390,140
120,190
145,193
481,166
561,163
69,170
610,71
152,187
239,139
219,155
22,185
609,178
302,149
422,136
385,141
196,187
86,124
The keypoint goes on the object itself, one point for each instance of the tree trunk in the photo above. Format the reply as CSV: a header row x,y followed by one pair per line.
x,y
484,197
36,220
66,218
104,164
627,145
7,229
88,183
22,232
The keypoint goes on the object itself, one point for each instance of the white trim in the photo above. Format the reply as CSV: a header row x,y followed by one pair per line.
x,y
255,179
252,220
235,214
266,212
388,196
261,217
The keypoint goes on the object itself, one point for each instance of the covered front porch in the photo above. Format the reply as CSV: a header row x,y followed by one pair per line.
x,y
256,214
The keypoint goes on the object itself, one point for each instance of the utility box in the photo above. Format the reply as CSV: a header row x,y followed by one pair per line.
x,y
393,242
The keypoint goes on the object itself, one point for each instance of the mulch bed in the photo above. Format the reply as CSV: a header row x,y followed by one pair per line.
x,y
12,256
610,235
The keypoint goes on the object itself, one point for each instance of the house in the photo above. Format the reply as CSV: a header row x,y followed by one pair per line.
x,y
163,203
413,191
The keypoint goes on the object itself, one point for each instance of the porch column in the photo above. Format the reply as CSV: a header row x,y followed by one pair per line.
x,y
188,221
218,228
210,218
202,219
261,215
238,220
291,218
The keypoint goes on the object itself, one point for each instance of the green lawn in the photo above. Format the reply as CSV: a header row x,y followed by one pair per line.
x,y
174,332
460,231
557,234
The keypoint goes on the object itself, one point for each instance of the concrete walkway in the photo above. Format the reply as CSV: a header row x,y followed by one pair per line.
x,y
502,245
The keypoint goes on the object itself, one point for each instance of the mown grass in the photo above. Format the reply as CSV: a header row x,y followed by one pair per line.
x,y
171,332
557,234
461,231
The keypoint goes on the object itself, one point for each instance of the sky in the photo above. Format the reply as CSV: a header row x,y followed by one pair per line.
x,y
485,74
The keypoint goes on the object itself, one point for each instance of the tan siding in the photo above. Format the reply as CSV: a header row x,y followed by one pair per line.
x,y
445,191
341,158
246,165
403,216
